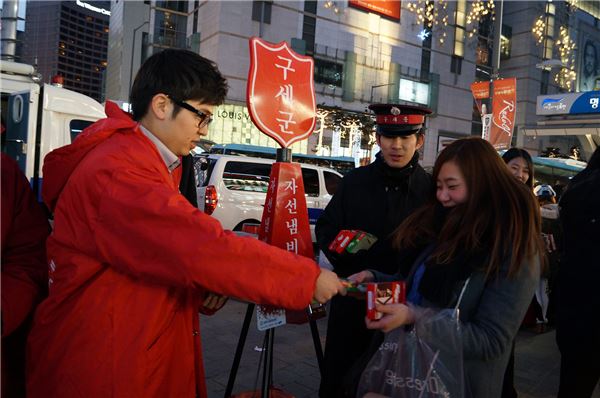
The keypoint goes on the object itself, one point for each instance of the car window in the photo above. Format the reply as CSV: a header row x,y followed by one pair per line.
x,y
76,126
246,176
311,182
332,181
203,168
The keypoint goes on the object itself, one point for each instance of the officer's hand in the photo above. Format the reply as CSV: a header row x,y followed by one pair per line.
x,y
327,286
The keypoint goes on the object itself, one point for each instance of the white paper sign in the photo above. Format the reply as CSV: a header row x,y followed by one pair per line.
x,y
268,317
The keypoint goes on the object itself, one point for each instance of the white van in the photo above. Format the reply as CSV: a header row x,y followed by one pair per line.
x,y
233,188
39,117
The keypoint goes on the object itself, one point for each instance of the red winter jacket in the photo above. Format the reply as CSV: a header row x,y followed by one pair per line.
x,y
24,270
130,261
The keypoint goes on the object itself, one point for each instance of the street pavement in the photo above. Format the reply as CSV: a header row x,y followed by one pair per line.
x,y
295,368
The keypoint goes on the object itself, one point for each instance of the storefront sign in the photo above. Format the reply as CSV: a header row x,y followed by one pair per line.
x,y
568,104
413,91
92,8
385,8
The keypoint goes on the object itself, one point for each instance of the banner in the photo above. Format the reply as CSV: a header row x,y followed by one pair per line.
x,y
285,225
481,91
504,109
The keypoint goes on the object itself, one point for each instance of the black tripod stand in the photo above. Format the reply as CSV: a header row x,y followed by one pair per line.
x,y
267,375
283,155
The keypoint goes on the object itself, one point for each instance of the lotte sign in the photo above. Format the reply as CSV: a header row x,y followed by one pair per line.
x,y
280,94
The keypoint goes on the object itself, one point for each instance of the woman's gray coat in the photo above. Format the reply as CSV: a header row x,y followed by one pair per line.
x,y
490,313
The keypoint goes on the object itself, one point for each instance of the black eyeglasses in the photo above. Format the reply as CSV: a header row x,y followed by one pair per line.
x,y
204,118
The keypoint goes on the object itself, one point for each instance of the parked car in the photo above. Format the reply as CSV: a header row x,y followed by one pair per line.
x,y
233,188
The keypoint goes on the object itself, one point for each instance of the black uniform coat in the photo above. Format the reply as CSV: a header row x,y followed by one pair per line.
x,y
375,199
578,320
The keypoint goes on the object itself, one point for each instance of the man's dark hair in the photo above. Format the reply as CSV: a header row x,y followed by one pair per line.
x,y
182,74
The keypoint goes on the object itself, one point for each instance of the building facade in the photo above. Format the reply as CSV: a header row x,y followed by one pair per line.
x,y
363,52
70,39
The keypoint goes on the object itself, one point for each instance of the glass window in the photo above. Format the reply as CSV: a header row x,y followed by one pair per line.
x,y
257,9
77,126
328,72
459,42
461,7
332,181
246,176
545,82
548,48
308,33
310,6
505,42
204,178
311,182
456,64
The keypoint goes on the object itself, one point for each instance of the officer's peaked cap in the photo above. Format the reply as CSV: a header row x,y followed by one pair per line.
x,y
399,120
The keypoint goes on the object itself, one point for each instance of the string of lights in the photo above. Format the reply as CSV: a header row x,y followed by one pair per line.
x,y
479,9
566,75
433,15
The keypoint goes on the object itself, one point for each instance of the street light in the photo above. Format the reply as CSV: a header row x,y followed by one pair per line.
x,y
132,55
379,85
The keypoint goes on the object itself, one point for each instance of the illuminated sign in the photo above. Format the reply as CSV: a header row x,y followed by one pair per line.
x,y
568,103
414,91
385,8
92,8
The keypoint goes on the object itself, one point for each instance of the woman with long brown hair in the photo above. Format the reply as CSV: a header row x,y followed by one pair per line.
x,y
482,225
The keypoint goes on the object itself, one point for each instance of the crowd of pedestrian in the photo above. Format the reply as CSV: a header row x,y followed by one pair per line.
x,y
131,261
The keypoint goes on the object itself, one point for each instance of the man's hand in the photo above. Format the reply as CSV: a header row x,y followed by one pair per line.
x,y
214,302
327,286
394,316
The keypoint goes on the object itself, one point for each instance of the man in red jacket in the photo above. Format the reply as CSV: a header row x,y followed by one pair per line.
x,y
131,261
24,271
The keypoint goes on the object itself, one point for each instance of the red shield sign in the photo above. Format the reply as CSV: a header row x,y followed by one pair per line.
x,y
280,94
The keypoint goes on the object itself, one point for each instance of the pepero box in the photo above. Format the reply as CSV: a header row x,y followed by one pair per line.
x,y
384,293
352,241
341,241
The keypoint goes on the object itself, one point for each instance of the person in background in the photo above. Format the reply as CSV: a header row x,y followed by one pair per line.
x,y
578,323
374,199
24,271
520,165
462,236
552,235
132,261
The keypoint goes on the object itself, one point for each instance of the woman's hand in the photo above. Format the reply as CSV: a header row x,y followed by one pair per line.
x,y
362,277
394,316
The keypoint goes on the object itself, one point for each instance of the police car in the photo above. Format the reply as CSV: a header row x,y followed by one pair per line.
x,y
233,188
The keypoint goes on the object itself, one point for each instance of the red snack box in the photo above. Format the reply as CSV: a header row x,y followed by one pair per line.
x,y
341,240
384,293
